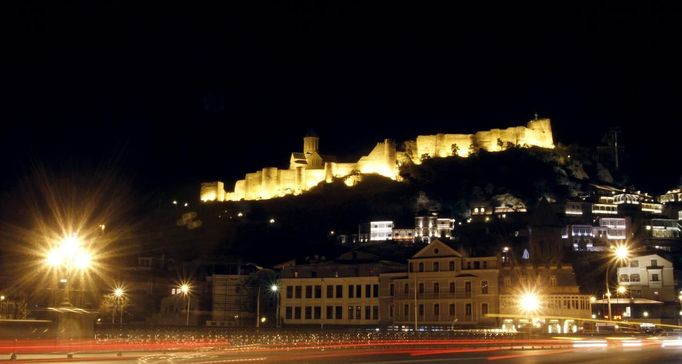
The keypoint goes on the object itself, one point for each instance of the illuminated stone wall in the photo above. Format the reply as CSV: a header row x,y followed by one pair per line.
x,y
307,169
536,133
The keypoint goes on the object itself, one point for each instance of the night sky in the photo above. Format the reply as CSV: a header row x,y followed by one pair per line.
x,y
171,95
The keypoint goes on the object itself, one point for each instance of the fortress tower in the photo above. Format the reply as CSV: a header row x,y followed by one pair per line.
x,y
311,142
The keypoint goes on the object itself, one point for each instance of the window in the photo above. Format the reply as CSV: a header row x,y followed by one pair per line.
x,y
452,265
406,311
308,291
484,287
298,292
484,309
507,282
350,312
421,267
375,288
552,281
623,278
421,310
297,313
452,309
290,291
654,262
477,265
411,267
318,291
436,310
339,291
654,277
485,264
288,313
339,312
368,312
358,311
467,309
330,291
368,290
436,267
467,288
390,311
375,312
330,312
391,290
351,291
421,288
406,289
317,312
436,288
308,312
358,290
634,277
452,287
634,263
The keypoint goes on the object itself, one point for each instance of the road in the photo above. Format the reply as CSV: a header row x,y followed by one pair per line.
x,y
387,354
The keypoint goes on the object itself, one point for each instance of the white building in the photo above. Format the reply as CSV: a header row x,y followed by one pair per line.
x,y
375,231
431,226
650,277
617,228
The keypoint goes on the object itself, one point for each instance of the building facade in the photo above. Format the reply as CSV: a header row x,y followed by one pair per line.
x,y
229,299
650,277
344,292
443,288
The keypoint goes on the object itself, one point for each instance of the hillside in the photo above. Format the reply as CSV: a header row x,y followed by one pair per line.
x,y
303,224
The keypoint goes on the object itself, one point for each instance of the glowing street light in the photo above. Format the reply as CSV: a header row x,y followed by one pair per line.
x,y
529,303
119,294
275,289
69,255
621,253
621,290
185,289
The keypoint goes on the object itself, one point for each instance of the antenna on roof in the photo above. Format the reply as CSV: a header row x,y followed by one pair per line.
x,y
536,116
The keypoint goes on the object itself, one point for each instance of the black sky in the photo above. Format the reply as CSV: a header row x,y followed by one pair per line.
x,y
173,94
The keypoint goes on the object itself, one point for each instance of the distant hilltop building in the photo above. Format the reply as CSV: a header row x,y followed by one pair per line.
x,y
537,133
306,170
309,168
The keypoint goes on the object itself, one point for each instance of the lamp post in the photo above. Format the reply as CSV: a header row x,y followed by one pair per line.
x,y
529,303
621,254
185,290
67,256
119,294
275,289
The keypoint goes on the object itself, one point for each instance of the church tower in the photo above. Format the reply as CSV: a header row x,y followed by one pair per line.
x,y
311,143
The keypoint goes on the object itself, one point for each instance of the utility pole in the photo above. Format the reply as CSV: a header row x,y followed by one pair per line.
x,y
258,308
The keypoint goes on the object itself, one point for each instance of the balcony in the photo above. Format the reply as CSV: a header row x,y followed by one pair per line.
x,y
432,295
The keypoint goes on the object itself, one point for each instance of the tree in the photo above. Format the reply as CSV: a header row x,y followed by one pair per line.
x,y
455,149
472,149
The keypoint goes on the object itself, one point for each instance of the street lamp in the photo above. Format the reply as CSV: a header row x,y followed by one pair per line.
x,y
621,253
185,289
529,303
119,294
66,256
275,289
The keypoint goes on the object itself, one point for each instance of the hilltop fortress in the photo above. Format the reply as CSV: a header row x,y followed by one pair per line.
x,y
308,168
